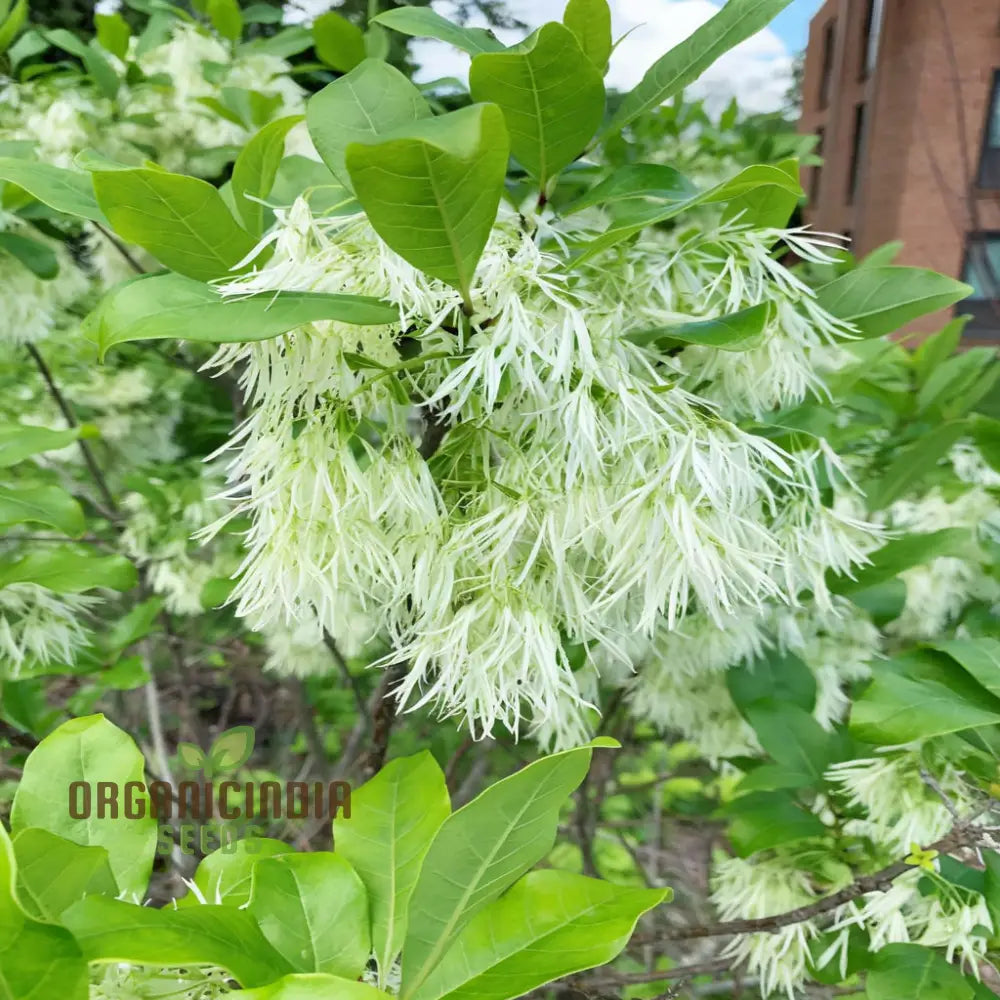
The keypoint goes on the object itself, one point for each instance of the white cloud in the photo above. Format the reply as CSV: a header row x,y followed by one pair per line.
x,y
757,72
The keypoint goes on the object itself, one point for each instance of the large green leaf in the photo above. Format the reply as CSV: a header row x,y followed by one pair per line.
x,y
226,875
431,189
111,931
684,63
53,873
783,676
916,973
68,570
182,221
41,503
64,190
162,306
735,332
551,95
314,987
21,441
37,961
89,749
880,300
393,820
313,908
422,22
481,850
255,169
550,924
590,21
792,737
903,703
372,99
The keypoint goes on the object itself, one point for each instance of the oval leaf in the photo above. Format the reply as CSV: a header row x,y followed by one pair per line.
x,y
372,99
431,190
160,306
551,95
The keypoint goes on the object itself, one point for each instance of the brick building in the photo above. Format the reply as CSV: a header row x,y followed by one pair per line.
x,y
905,96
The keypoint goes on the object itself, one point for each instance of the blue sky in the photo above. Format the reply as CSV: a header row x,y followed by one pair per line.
x,y
792,24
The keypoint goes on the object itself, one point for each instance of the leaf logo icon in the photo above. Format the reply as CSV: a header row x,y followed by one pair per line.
x,y
230,750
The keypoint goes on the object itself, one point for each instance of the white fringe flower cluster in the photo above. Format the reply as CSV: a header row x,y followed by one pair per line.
x,y
588,489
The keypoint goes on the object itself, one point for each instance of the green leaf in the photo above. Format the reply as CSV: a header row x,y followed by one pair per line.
x,y
226,876
136,625
69,571
394,817
41,504
936,349
38,258
21,441
191,756
729,333
782,676
590,22
792,737
901,554
255,169
315,987
896,708
182,221
912,463
113,33
98,68
53,873
684,63
748,180
232,749
481,850
162,306
90,749
372,99
64,190
979,657
550,924
948,387
634,181
313,908
763,820
431,189
551,95
769,206
37,960
422,22
338,42
226,18
111,931
915,972
880,300
12,25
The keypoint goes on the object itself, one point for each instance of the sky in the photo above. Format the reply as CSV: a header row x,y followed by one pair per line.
x,y
757,72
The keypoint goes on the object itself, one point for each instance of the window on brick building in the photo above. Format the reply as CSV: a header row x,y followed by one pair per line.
x,y
989,161
826,77
982,271
857,151
873,34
